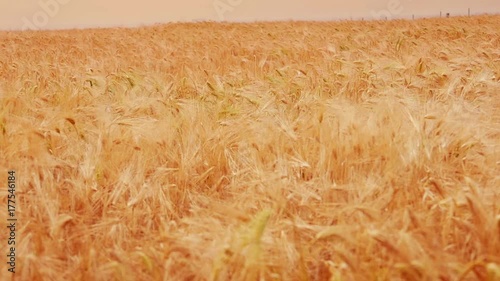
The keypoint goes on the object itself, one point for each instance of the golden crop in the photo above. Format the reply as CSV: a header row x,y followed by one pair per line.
x,y
264,151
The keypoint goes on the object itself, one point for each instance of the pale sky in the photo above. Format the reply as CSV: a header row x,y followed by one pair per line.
x,y
56,14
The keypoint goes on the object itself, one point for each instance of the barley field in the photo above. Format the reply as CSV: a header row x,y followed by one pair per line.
x,y
363,150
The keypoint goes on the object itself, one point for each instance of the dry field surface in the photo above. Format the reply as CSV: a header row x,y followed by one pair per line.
x,y
264,151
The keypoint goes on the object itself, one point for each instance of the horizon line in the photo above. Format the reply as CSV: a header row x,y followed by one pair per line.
x,y
253,21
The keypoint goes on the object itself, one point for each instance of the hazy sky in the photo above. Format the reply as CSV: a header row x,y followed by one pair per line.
x,y
50,14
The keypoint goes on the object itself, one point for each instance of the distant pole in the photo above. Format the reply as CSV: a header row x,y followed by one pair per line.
x,y
413,17
440,14
469,12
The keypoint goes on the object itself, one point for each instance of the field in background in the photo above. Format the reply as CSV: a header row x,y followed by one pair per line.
x,y
266,151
